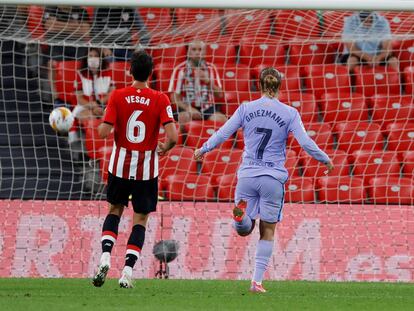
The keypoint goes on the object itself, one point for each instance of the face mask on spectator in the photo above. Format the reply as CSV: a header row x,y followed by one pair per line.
x,y
93,62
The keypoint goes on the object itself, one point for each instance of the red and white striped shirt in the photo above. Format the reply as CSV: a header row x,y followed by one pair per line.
x,y
136,115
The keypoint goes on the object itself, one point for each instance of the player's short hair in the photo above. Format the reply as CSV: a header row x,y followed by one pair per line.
x,y
141,65
270,81
363,15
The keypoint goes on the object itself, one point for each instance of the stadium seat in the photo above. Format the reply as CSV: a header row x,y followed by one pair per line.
x,y
35,22
179,161
404,50
401,136
93,143
198,132
292,163
265,53
305,103
408,164
291,24
377,80
235,78
162,75
234,99
226,187
189,187
311,53
202,24
121,74
313,168
341,189
242,24
239,139
291,77
300,189
343,107
331,78
156,20
390,109
400,22
333,23
409,80
321,133
221,54
391,190
369,164
359,135
221,162
174,53
65,75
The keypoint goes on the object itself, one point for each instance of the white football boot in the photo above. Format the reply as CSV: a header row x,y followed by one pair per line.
x,y
104,265
126,278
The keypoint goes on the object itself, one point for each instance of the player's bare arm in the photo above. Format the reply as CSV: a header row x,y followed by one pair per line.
x,y
104,129
172,137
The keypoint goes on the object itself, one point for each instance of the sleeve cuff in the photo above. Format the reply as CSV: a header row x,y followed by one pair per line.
x,y
165,123
107,122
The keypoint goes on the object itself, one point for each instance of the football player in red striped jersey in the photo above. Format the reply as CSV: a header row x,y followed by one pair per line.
x,y
135,113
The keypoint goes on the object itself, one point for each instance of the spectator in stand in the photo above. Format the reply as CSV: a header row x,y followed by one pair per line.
x,y
195,84
93,86
121,27
70,24
367,38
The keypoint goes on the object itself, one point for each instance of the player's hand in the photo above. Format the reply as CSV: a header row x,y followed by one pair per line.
x,y
330,167
198,155
195,114
202,75
161,149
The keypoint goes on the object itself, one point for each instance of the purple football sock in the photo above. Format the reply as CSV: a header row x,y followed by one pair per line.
x,y
264,250
243,226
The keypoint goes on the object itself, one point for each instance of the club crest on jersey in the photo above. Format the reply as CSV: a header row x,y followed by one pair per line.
x,y
133,99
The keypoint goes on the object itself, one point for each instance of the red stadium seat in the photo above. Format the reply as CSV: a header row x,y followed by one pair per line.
x,y
405,53
179,161
319,132
357,136
291,24
221,53
391,190
170,53
239,139
189,187
342,189
156,20
235,78
390,109
400,22
93,143
305,103
291,77
121,74
401,136
35,22
311,53
65,75
408,164
221,162
333,23
313,168
234,99
331,78
198,132
292,163
241,24
369,164
377,80
300,189
343,107
203,24
226,187
253,54
409,80
162,74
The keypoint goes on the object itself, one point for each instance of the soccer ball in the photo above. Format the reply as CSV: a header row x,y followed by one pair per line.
x,y
61,119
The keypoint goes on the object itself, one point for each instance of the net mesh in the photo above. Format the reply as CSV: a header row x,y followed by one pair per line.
x,y
364,121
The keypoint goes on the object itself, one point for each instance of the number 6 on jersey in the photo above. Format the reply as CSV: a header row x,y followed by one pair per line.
x,y
135,131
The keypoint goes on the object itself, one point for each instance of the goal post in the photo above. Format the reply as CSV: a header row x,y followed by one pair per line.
x,y
354,225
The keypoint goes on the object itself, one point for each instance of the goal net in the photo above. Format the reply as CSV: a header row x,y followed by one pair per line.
x,y
357,223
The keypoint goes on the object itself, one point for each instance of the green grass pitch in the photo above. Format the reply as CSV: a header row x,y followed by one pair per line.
x,y
79,294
